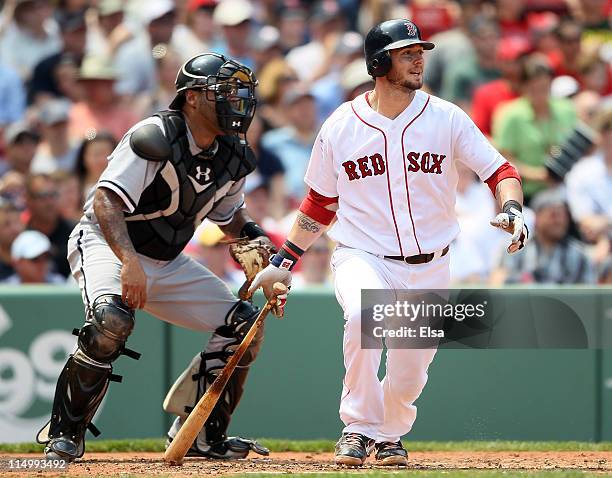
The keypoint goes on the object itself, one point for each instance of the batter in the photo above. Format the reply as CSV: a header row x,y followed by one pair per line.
x,y
384,166
168,173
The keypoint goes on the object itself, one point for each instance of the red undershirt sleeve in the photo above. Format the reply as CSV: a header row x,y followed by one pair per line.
x,y
314,204
505,171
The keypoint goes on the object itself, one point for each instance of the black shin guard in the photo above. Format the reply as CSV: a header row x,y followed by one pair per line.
x,y
80,388
84,379
239,321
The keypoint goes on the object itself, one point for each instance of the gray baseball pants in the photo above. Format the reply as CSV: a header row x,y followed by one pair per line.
x,y
180,291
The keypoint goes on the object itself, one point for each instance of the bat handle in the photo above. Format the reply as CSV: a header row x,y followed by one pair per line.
x,y
278,288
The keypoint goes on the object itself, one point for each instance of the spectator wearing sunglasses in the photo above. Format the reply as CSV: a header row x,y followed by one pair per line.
x,y
44,210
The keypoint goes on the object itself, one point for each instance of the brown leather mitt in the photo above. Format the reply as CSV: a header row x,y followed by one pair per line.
x,y
253,256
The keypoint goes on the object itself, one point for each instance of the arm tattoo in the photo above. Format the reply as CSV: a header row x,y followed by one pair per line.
x,y
108,208
307,223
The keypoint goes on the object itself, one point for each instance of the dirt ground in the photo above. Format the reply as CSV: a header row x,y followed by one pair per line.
x,y
102,464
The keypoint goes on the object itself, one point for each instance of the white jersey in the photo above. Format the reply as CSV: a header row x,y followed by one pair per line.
x,y
396,179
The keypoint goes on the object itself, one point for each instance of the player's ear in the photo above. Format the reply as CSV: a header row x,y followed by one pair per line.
x,y
192,98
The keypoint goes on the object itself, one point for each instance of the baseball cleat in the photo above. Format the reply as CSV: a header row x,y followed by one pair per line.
x,y
390,453
61,449
352,449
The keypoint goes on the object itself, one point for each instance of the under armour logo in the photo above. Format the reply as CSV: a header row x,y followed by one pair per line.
x,y
206,174
236,123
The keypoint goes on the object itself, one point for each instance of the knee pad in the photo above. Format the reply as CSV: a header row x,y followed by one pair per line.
x,y
238,320
108,326
205,367
84,380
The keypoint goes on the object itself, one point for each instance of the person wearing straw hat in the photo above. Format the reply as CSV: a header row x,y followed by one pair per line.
x,y
100,110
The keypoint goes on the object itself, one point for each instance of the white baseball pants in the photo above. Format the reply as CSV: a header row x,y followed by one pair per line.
x,y
383,410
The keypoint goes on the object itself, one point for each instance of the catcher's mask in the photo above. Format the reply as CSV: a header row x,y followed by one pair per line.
x,y
228,83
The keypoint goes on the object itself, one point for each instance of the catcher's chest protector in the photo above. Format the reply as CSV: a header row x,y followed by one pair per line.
x,y
185,190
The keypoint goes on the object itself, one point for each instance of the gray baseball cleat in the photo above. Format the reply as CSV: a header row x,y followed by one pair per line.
x,y
352,449
62,449
232,448
391,453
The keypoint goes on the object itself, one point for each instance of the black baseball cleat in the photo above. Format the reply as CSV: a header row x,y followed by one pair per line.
x,y
62,449
390,453
352,449
232,448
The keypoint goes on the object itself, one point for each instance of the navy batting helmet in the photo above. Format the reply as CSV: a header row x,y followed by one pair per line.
x,y
387,36
230,84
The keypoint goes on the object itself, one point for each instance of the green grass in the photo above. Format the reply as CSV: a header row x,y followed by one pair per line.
x,y
313,446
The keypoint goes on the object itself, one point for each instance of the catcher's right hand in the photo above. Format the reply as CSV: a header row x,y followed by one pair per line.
x,y
266,279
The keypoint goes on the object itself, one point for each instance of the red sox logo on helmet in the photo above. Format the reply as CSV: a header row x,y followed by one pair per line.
x,y
412,31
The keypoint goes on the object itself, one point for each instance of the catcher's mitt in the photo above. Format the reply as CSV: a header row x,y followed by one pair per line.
x,y
253,256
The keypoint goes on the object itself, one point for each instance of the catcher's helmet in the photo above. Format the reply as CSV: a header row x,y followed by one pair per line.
x,y
230,84
387,36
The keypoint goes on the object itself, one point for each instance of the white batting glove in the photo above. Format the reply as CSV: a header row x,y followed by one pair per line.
x,y
266,279
513,222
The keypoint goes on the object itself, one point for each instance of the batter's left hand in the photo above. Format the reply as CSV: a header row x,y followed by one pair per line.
x,y
513,222
266,279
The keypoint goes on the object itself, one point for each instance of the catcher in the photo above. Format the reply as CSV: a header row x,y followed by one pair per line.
x,y
169,172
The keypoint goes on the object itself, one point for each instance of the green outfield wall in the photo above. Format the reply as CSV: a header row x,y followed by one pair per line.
x,y
294,387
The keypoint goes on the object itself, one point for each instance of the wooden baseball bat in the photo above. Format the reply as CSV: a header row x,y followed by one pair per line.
x,y
183,440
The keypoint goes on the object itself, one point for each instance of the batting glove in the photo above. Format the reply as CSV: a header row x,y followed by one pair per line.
x,y
266,279
512,221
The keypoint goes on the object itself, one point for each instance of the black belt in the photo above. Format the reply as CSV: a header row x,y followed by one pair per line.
x,y
419,258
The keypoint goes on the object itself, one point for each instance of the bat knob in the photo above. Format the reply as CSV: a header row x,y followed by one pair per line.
x,y
279,288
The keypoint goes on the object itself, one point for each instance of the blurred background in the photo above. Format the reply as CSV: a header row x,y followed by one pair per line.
x,y
535,75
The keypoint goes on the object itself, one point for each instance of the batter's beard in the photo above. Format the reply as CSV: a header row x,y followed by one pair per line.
x,y
406,85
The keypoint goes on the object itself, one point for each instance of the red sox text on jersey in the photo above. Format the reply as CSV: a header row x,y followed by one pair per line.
x,y
374,165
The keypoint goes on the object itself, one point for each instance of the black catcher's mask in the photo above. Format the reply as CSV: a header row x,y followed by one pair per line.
x,y
228,83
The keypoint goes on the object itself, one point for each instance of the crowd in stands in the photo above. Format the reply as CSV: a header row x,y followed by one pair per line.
x,y
534,75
